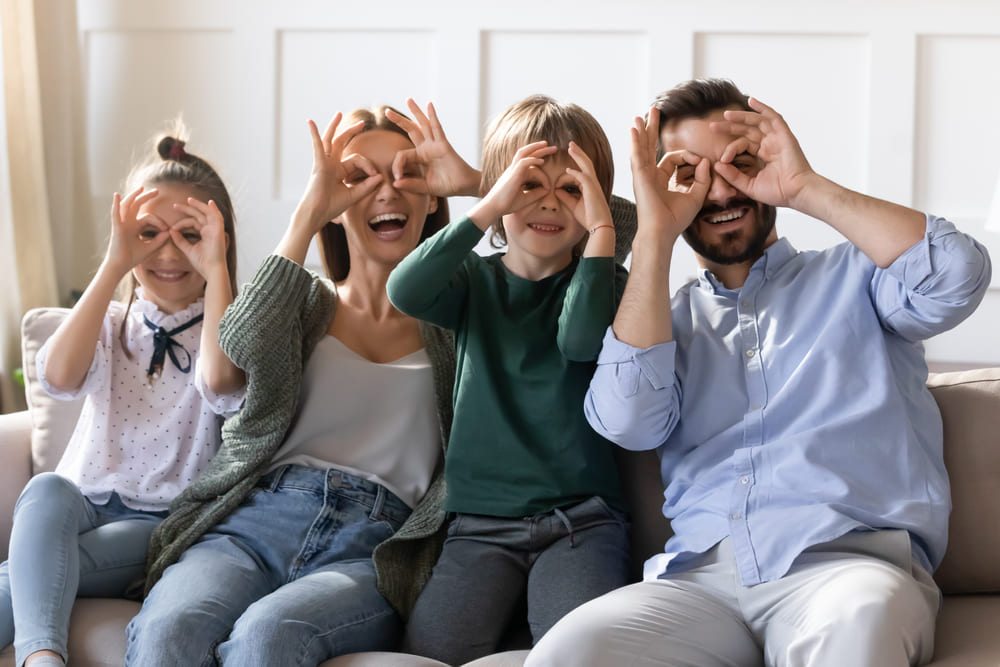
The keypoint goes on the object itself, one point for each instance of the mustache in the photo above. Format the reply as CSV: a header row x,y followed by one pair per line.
x,y
712,209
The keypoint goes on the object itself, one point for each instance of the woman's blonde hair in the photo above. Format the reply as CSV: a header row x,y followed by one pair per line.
x,y
539,118
332,239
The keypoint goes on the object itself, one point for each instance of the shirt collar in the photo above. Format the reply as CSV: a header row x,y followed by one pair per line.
x,y
774,258
142,307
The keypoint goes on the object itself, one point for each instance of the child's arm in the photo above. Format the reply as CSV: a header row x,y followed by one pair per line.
x,y
202,238
445,174
326,195
427,283
70,352
591,299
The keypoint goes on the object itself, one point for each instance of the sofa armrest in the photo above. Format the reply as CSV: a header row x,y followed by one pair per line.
x,y
15,468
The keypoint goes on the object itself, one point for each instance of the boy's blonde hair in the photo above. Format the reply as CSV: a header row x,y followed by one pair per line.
x,y
538,118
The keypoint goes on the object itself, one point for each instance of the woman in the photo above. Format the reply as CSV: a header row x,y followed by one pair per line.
x,y
267,558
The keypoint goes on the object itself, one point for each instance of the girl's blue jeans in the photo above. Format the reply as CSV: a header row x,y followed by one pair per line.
x,y
63,546
286,579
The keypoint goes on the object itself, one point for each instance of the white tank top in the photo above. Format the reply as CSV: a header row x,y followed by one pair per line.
x,y
376,421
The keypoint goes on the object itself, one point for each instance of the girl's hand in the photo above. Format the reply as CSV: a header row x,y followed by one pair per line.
x,y
584,199
202,237
445,173
133,237
336,181
521,184
667,200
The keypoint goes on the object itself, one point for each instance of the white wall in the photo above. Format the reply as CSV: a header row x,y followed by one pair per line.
x,y
894,99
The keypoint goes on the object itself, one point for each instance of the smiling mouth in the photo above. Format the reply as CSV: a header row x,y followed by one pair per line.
x,y
726,216
388,223
169,276
545,229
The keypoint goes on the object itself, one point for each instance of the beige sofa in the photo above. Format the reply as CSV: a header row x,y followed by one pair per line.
x,y
968,632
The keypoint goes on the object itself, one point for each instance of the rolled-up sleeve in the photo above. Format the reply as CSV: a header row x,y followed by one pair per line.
x,y
634,398
934,285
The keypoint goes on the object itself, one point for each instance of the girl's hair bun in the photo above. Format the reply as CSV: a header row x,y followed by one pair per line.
x,y
170,148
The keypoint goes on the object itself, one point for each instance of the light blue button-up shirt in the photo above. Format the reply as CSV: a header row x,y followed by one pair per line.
x,y
795,409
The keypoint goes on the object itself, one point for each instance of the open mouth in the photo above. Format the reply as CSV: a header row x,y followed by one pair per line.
x,y
728,215
168,276
545,229
388,226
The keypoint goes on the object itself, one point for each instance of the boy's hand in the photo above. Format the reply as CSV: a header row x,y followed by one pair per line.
x,y
521,184
445,173
586,201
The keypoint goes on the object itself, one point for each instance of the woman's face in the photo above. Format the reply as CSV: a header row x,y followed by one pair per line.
x,y
385,225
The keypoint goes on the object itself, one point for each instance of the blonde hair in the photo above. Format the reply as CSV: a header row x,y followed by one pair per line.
x,y
332,240
538,118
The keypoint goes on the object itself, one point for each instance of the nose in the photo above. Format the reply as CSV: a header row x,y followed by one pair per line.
x,y
550,202
385,190
169,251
720,190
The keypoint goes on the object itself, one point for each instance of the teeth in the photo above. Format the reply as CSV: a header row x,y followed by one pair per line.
x,y
546,228
725,217
386,217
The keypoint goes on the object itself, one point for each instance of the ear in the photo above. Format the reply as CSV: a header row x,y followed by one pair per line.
x,y
432,205
227,240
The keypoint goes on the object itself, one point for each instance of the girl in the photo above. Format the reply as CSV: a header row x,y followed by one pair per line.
x,y
156,385
313,530
535,492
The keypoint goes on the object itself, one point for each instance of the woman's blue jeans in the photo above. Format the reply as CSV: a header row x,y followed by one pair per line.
x,y
286,579
63,546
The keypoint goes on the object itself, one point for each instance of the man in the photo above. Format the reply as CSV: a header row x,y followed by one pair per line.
x,y
801,452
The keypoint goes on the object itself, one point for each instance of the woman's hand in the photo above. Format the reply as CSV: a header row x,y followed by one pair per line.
x,y
445,173
336,181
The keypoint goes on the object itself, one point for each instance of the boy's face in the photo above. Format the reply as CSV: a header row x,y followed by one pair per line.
x,y
541,237
731,228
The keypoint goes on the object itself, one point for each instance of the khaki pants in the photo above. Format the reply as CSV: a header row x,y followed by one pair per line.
x,y
859,601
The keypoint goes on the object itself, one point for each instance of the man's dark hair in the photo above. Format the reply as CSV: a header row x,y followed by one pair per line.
x,y
698,98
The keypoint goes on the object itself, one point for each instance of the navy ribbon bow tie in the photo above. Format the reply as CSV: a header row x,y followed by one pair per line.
x,y
164,344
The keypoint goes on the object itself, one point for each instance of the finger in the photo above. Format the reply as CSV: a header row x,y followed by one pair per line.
x,y
734,176
415,184
420,117
437,130
359,191
177,236
412,129
319,151
702,179
331,128
357,161
652,128
678,158
581,158
754,133
340,142
738,146
402,160
533,148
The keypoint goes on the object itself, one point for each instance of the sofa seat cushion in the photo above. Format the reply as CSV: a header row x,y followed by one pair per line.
x,y
966,634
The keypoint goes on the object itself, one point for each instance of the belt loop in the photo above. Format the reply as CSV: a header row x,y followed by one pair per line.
x,y
378,503
276,478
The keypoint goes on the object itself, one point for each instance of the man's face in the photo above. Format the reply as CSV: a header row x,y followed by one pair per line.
x,y
731,228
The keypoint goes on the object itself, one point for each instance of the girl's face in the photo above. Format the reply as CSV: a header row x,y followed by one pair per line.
x,y
385,225
167,277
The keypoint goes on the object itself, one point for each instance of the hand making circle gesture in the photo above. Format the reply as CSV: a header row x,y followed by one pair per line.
x,y
134,237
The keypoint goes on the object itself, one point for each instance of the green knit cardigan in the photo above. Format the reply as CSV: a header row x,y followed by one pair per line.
x,y
269,332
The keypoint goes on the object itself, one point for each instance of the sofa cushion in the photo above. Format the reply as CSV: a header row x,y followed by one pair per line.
x,y
52,421
969,403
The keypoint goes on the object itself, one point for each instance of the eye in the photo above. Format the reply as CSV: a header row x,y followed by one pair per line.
x,y
745,164
191,236
356,177
149,233
530,185
685,173
573,189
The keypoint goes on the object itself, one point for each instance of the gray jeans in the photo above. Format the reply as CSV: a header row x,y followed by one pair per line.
x,y
491,565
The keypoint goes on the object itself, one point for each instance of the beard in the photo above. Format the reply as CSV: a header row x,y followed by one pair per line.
x,y
736,247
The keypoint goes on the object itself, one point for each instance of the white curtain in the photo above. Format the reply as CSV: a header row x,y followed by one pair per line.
x,y
48,238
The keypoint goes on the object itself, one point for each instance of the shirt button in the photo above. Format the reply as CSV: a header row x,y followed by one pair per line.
x,y
744,480
734,517
750,353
